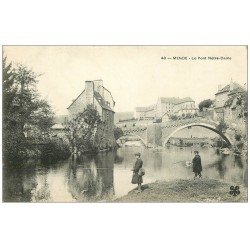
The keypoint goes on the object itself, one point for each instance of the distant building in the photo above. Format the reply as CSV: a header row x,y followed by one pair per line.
x,y
165,107
225,101
58,130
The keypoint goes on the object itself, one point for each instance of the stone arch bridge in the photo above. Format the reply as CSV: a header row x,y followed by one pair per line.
x,y
158,134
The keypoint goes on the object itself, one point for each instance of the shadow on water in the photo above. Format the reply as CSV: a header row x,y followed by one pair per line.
x,y
18,184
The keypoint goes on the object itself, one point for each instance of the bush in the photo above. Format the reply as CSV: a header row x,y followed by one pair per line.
x,y
237,137
189,115
222,126
54,150
118,133
205,104
173,117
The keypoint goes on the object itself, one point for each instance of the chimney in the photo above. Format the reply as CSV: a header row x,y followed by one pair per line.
x,y
219,87
98,86
89,92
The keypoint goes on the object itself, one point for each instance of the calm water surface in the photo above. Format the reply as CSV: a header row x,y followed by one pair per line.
x,y
107,176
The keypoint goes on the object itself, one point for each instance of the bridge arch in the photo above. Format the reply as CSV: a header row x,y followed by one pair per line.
x,y
137,136
204,125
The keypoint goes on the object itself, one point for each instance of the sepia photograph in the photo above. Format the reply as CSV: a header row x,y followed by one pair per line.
x,y
125,124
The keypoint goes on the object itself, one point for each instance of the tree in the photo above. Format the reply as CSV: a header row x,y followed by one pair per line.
x,y
189,115
118,133
173,117
10,135
81,130
205,104
242,102
23,109
222,126
31,108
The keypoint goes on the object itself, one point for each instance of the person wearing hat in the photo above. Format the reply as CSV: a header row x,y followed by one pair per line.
x,y
197,167
137,177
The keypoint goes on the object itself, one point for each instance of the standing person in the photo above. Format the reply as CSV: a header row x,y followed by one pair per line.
x,y
197,167
137,175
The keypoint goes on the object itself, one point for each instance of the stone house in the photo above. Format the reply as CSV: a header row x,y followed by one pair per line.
x,y
233,111
97,95
225,102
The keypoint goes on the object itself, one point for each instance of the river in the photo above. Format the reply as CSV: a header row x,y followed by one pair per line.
x,y
107,176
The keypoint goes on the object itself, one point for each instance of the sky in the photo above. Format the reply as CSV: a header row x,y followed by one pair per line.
x,y
135,75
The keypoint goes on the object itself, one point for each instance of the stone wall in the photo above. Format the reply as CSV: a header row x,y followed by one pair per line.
x,y
154,135
104,137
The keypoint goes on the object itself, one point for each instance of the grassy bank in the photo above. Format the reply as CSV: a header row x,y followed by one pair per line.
x,y
199,190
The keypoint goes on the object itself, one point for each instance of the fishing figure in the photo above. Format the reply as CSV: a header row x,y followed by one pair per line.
x,y
138,172
197,167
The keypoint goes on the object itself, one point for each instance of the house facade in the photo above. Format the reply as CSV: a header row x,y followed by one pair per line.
x,y
225,106
97,95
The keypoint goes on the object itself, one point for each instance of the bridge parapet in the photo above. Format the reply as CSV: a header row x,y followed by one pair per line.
x,y
134,130
184,122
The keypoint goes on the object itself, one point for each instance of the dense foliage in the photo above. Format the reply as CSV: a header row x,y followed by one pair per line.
x,y
26,116
54,150
81,130
242,102
205,104
118,133
183,116
222,126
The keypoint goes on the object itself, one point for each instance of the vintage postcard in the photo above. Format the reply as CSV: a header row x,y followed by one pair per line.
x,y
125,124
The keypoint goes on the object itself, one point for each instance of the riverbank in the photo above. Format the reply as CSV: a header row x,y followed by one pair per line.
x,y
198,190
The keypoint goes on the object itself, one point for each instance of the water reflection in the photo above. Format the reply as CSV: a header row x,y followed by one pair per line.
x,y
91,178
108,175
18,184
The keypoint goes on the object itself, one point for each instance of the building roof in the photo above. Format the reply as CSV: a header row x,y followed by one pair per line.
x,y
176,100
168,99
185,99
143,109
236,88
75,99
98,97
102,102
110,94
173,100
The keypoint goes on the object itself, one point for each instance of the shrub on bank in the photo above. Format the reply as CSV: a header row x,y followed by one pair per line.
x,y
54,150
